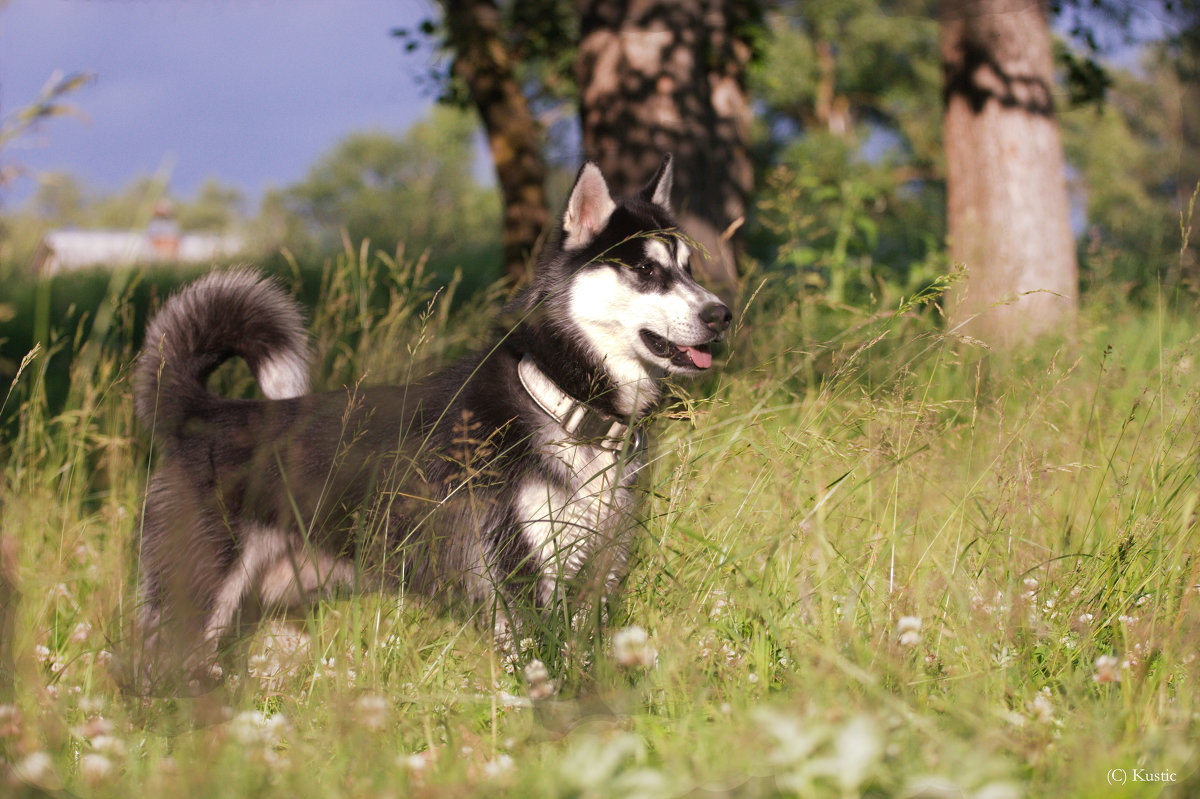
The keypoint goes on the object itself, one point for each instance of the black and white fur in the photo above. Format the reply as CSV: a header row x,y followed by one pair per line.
x,y
504,480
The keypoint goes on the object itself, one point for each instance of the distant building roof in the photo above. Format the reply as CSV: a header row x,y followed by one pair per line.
x,y
67,250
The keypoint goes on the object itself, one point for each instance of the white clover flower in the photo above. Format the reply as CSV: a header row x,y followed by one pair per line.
x,y
1108,669
536,672
10,721
109,744
36,769
95,768
538,677
247,726
509,701
720,603
908,624
794,741
418,761
933,786
857,748
252,727
81,632
998,790
502,765
632,648
1042,707
373,711
909,630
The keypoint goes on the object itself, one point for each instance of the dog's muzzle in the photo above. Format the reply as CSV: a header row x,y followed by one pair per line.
x,y
715,316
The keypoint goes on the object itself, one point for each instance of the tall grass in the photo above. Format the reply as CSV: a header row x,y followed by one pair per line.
x,y
876,561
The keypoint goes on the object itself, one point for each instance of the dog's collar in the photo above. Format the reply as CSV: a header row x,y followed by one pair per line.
x,y
580,421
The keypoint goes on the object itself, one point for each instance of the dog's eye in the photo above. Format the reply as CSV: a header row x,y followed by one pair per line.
x,y
643,267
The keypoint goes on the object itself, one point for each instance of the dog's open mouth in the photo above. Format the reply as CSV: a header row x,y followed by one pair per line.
x,y
681,355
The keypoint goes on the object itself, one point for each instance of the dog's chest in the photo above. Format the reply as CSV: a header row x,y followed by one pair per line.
x,y
578,508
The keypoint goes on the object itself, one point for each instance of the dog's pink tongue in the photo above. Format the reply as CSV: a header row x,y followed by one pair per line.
x,y
702,359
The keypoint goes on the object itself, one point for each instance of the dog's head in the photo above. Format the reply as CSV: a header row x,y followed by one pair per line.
x,y
624,283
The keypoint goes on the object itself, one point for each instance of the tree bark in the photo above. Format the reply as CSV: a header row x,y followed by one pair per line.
x,y
1008,213
658,76
483,62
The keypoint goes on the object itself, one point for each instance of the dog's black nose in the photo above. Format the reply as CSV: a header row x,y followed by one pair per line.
x,y
716,316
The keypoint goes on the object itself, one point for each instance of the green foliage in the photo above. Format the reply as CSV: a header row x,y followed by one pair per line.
x,y
543,36
1134,177
846,229
415,192
540,35
841,67
216,208
852,197
60,199
851,191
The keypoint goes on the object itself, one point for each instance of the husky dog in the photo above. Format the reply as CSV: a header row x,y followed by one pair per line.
x,y
505,481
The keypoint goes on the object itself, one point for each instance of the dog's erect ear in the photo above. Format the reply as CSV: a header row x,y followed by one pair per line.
x,y
588,209
658,190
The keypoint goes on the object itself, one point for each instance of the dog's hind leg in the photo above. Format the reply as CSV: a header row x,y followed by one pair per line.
x,y
185,554
261,547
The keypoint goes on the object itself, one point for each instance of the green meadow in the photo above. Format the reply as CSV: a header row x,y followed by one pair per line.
x,y
876,559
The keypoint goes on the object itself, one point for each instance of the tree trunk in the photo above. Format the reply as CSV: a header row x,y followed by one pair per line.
x,y
658,76
483,62
1008,213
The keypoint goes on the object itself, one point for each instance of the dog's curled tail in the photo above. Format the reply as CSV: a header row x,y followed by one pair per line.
x,y
237,312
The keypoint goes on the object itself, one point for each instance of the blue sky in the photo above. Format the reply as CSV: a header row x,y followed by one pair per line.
x,y
248,91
